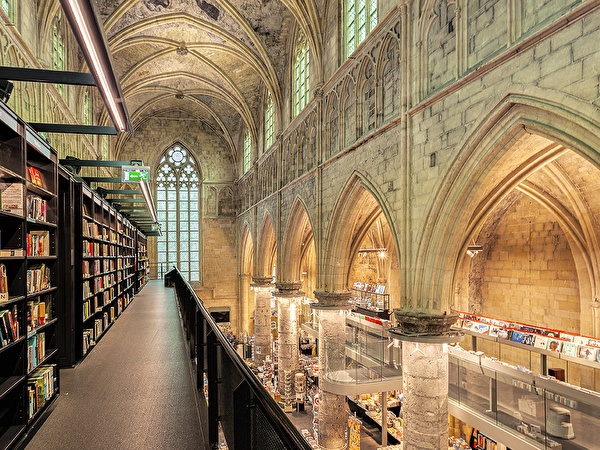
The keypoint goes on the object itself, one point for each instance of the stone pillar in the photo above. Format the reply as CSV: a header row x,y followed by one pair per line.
x,y
262,319
288,297
333,408
425,339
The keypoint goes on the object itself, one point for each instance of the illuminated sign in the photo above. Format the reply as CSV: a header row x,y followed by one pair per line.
x,y
135,174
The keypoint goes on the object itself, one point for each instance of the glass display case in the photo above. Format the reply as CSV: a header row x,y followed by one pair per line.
x,y
544,412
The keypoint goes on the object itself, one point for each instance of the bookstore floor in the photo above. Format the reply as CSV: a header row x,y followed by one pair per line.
x,y
133,391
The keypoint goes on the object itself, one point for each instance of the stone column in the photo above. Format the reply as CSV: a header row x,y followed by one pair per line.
x,y
425,339
288,297
262,319
333,408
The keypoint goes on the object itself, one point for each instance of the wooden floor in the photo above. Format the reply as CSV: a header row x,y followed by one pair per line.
x,y
134,390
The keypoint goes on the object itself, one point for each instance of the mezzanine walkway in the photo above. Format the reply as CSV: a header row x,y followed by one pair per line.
x,y
134,390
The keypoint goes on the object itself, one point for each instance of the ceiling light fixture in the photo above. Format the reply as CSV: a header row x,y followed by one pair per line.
x,y
91,39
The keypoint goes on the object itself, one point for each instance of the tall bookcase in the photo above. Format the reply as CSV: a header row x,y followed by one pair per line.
x,y
29,376
105,254
142,264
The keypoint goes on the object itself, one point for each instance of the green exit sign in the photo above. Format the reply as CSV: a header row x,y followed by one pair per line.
x,y
135,174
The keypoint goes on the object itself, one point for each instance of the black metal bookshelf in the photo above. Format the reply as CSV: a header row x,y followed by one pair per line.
x,y
29,375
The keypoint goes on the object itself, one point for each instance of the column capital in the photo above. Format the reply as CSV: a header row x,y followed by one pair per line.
x,y
332,300
288,289
424,325
261,281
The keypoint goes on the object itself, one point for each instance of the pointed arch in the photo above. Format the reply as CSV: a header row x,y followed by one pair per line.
x,y
522,136
298,233
359,205
266,250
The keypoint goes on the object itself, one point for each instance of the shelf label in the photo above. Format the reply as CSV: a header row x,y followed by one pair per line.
x,y
135,174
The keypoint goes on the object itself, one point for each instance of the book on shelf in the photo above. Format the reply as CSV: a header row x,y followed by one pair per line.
x,y
3,283
36,208
9,326
11,196
37,314
38,243
12,252
35,176
38,278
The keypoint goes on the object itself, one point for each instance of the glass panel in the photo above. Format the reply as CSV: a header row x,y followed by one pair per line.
x,y
194,246
184,236
184,226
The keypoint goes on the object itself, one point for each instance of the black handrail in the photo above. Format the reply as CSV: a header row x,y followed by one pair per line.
x,y
191,308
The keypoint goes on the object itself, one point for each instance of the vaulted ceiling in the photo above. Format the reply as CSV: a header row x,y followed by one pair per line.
x,y
212,60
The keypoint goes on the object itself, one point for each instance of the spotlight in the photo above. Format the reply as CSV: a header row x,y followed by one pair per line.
x,y
472,250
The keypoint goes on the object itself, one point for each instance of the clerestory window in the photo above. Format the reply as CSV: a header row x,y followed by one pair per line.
x,y
301,73
360,17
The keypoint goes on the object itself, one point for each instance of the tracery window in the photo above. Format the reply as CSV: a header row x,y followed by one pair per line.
x,y
58,48
301,72
9,9
247,152
360,17
269,123
178,210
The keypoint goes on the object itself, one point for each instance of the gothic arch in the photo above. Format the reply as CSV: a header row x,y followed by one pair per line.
x,y
492,164
297,233
358,206
266,249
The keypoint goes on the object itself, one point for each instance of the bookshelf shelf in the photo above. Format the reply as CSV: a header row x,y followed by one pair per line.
x,y
28,277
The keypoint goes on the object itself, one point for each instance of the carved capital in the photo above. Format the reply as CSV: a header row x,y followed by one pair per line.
x,y
333,299
411,322
288,289
262,281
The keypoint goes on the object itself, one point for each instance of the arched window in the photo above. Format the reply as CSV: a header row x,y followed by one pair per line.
x,y
58,48
247,152
178,209
300,75
9,8
360,17
269,122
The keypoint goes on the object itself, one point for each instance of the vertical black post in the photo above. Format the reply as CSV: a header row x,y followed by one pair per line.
x,y
212,349
243,409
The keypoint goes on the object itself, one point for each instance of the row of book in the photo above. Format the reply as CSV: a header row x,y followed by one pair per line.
x,y
38,278
91,249
36,350
37,208
9,326
37,314
97,267
41,387
38,243
568,344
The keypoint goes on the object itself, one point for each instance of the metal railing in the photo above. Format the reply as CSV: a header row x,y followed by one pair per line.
x,y
248,416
